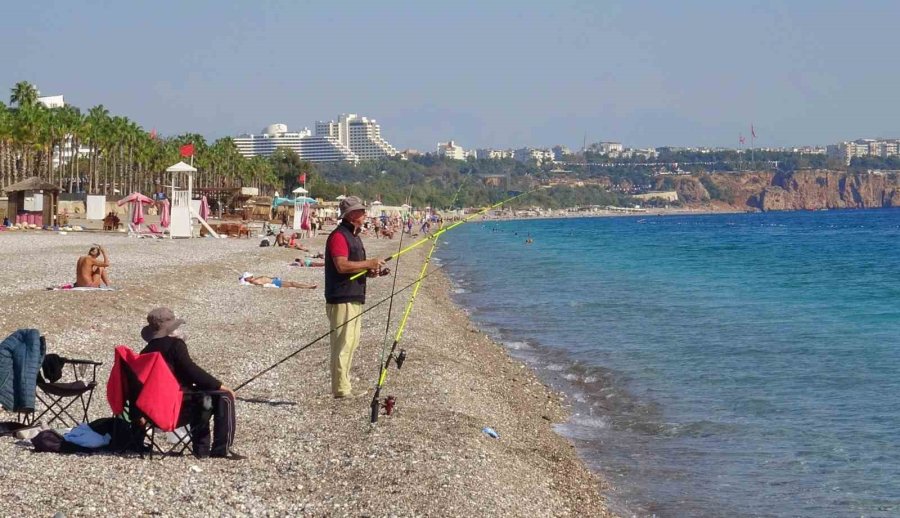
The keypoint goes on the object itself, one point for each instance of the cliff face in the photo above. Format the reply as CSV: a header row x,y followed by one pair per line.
x,y
803,190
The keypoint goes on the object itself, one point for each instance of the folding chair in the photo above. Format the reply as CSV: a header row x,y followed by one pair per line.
x,y
59,396
159,411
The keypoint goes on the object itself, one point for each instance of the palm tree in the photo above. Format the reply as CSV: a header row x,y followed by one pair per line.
x,y
24,94
95,127
6,134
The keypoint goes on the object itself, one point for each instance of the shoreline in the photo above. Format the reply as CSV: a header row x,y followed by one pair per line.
x,y
308,454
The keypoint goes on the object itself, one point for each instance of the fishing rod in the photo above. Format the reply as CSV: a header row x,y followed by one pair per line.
x,y
451,227
400,358
373,306
387,324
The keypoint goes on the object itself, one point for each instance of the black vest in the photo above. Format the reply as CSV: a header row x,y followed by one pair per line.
x,y
338,287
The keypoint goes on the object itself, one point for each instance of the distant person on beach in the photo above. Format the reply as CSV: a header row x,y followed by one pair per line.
x,y
90,272
163,336
345,256
262,280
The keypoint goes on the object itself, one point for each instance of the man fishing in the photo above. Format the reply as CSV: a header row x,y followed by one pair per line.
x,y
345,256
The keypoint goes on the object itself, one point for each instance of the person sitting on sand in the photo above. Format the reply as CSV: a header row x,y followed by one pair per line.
x,y
295,243
163,336
261,280
91,272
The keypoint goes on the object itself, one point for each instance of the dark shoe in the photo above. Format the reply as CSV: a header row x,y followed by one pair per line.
x,y
351,395
231,455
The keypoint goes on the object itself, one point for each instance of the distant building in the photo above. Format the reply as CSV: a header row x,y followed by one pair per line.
x,y
612,149
360,134
527,154
308,147
62,154
451,150
52,101
847,151
494,154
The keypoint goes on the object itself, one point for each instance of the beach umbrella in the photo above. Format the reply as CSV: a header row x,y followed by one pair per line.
x,y
304,217
204,208
137,213
134,197
341,197
165,217
305,200
299,190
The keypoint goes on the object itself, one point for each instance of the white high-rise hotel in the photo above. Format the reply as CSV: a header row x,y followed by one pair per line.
x,y
351,138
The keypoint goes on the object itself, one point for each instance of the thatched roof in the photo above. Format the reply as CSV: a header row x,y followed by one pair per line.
x,y
31,184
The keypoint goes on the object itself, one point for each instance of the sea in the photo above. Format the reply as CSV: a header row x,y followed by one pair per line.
x,y
716,365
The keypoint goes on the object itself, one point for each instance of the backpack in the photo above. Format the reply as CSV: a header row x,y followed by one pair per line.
x,y
264,243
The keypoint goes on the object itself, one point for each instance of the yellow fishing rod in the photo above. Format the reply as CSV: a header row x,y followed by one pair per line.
x,y
451,227
400,358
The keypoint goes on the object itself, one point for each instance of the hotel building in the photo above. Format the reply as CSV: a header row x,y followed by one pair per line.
x,y
360,134
308,147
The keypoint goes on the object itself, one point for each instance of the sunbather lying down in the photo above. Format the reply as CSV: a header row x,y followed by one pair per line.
x,y
307,261
261,280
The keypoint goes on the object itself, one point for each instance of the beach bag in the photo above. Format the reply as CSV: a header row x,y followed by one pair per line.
x,y
264,243
48,441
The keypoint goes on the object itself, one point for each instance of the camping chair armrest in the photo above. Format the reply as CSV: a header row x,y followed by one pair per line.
x,y
74,361
84,362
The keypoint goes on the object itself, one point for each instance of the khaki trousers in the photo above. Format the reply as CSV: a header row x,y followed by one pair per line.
x,y
344,341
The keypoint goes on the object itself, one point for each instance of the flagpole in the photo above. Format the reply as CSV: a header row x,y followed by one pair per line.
x,y
752,145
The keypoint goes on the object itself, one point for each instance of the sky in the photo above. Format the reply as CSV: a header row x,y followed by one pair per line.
x,y
489,73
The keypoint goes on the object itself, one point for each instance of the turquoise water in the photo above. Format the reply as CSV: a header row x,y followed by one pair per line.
x,y
721,365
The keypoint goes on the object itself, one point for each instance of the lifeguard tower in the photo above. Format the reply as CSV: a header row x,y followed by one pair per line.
x,y
181,192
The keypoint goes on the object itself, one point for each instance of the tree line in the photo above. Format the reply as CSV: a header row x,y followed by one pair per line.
x,y
121,156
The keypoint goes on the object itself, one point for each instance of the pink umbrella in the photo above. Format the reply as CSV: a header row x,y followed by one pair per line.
x,y
134,197
304,218
165,217
137,213
204,208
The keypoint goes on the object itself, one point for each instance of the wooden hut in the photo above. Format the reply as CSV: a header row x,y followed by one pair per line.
x,y
34,186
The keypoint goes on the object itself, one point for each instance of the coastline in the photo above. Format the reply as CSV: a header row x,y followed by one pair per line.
x,y
308,454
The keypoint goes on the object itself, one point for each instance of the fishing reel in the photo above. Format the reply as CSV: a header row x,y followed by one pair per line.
x,y
377,406
400,358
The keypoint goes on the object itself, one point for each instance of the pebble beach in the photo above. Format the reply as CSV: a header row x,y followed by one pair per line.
x,y
308,454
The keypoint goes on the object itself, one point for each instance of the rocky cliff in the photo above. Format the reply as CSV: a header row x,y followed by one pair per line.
x,y
801,190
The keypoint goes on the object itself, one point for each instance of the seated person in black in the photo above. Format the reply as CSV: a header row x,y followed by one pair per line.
x,y
162,336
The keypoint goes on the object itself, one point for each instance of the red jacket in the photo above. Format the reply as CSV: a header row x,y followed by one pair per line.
x,y
161,395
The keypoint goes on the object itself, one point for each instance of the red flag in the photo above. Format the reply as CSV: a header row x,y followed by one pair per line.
x,y
187,150
752,131
302,178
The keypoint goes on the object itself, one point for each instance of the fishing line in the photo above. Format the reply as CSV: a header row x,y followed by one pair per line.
x,y
451,227
387,325
375,406
373,306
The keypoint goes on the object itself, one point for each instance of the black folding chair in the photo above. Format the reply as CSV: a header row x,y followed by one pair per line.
x,y
59,396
